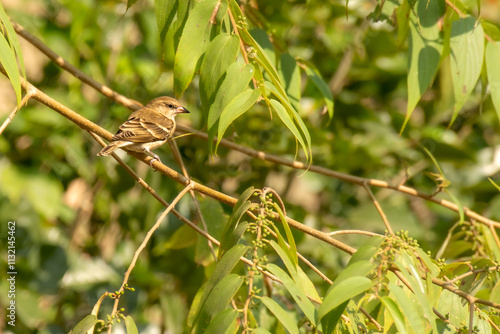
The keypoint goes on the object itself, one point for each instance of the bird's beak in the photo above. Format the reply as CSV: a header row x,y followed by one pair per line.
x,y
182,110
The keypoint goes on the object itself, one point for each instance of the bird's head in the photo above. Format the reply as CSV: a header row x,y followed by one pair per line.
x,y
167,106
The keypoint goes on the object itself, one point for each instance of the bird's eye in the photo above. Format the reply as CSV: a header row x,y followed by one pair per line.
x,y
171,106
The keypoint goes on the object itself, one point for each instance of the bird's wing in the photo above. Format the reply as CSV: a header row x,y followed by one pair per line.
x,y
140,130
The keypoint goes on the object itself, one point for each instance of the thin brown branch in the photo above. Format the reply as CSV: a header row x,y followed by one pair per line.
x,y
370,234
379,209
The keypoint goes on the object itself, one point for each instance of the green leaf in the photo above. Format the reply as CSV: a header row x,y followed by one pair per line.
x,y
360,268
292,115
130,325
165,11
8,61
289,235
290,74
241,206
231,226
467,51
330,320
410,309
286,257
419,288
424,51
283,317
223,322
238,75
220,53
222,269
11,56
492,59
193,42
295,291
287,120
344,291
395,312
322,86
238,105
217,300
85,324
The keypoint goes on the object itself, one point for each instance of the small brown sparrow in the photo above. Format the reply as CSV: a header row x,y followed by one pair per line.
x,y
147,128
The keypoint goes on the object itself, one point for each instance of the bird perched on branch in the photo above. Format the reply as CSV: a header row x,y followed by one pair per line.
x,y
147,128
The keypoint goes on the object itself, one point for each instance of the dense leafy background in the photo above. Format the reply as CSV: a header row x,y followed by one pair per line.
x,y
80,218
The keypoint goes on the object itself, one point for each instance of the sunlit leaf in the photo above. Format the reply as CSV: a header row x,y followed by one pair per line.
x,y
238,75
467,52
220,53
424,51
165,11
85,324
297,294
194,40
492,59
223,322
130,325
238,105
286,320
344,291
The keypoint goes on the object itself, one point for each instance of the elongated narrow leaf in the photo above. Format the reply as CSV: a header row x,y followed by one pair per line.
x,y
193,42
221,53
85,324
8,61
467,52
330,320
130,325
293,114
223,322
344,291
286,320
165,11
397,316
419,288
290,73
238,105
217,300
241,206
492,58
315,77
297,294
410,309
223,268
263,59
238,75
16,54
288,232
286,257
230,228
287,120
424,51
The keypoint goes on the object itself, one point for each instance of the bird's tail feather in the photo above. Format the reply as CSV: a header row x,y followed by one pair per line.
x,y
107,150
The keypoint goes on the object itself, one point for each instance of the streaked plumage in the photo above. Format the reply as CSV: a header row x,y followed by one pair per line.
x,y
147,128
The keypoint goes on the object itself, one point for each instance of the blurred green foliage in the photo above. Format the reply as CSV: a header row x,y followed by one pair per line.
x,y
79,218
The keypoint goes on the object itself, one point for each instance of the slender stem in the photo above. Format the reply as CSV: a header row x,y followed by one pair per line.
x,y
379,209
